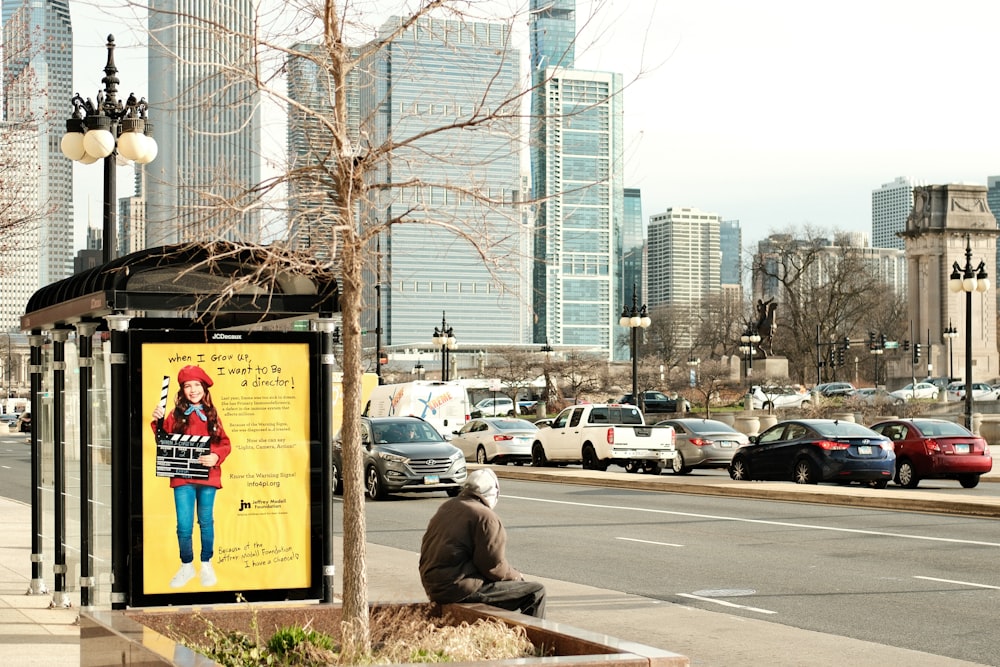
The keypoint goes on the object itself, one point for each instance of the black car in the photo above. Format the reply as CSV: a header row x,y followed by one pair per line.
x,y
808,451
403,454
657,401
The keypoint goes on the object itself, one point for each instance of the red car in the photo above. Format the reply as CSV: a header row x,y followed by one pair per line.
x,y
936,449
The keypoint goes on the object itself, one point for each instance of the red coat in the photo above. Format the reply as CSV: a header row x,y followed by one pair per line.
x,y
219,445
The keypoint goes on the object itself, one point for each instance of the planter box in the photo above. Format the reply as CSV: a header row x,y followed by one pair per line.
x,y
130,638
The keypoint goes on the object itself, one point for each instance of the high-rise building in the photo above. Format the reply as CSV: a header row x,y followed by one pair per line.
x,y
731,247
993,201
311,212
576,165
453,250
207,119
684,259
631,254
37,88
891,206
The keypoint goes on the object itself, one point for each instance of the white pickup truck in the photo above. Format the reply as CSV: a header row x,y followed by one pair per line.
x,y
599,435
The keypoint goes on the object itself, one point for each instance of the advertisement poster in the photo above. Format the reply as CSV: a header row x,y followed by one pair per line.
x,y
225,466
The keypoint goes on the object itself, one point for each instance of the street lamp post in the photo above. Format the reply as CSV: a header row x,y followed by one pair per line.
x,y
106,130
748,341
635,318
968,279
445,338
950,334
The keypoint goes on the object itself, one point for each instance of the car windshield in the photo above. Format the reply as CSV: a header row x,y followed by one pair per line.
x,y
405,431
839,429
944,428
514,425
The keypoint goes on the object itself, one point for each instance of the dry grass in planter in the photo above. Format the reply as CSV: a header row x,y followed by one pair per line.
x,y
399,635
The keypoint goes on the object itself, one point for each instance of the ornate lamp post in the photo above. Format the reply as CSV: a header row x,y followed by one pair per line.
x,y
968,280
748,342
635,318
106,130
445,338
950,334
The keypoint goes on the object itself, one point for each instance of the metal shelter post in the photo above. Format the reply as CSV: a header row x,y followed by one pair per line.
x,y
326,327
85,352
118,324
60,596
37,586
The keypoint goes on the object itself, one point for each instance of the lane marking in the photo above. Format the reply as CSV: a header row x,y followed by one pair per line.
x,y
764,522
661,544
960,583
724,603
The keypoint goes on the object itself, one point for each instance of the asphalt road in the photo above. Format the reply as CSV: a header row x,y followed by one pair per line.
x,y
912,580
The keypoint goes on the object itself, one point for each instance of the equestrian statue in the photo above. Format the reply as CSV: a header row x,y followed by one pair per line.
x,y
766,325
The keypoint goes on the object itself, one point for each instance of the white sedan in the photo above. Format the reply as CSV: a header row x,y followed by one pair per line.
x,y
496,440
980,392
918,390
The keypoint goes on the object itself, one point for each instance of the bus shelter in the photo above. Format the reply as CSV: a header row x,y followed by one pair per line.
x,y
105,345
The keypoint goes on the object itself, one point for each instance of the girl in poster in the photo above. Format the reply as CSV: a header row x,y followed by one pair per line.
x,y
194,414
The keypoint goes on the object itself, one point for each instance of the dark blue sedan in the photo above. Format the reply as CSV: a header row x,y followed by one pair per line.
x,y
807,451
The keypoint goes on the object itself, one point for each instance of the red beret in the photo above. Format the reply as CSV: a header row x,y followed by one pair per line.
x,y
189,373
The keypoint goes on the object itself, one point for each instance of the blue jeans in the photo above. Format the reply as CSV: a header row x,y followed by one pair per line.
x,y
185,497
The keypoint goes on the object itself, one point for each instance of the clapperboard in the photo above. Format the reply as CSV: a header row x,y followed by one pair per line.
x,y
177,454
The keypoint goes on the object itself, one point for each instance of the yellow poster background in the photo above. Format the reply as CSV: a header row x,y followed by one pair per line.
x,y
262,511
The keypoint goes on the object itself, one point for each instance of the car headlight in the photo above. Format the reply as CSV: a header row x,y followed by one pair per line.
x,y
395,458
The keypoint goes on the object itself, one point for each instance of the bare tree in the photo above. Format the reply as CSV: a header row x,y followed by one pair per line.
x,y
359,182
581,373
711,376
516,369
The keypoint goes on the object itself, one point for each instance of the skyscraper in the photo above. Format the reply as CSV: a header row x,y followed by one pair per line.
x,y
731,247
891,206
684,256
37,81
576,165
457,246
631,254
205,108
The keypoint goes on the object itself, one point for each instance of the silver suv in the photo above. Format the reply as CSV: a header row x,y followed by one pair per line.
x,y
403,454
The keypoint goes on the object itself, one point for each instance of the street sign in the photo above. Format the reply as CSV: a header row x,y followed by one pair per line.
x,y
892,344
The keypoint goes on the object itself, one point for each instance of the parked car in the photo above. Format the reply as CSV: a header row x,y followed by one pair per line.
x,y
918,390
403,454
10,419
875,396
657,401
703,443
499,406
981,391
935,449
496,440
808,451
768,398
834,388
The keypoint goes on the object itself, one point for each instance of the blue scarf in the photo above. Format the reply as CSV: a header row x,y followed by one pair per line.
x,y
198,409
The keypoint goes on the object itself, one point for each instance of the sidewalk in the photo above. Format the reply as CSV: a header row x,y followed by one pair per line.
x,y
31,634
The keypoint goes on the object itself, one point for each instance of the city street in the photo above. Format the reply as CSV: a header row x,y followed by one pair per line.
x,y
879,576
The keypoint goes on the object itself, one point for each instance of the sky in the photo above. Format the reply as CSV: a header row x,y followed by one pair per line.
x,y
778,113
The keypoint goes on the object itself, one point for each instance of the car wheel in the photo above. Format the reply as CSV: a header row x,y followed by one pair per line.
x,y
804,472
906,476
338,483
738,469
968,481
374,486
538,456
805,404
768,405
453,492
878,483
481,455
632,466
677,466
590,460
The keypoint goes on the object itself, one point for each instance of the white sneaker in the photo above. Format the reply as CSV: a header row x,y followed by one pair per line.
x,y
184,575
207,574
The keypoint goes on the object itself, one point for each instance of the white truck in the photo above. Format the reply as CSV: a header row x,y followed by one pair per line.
x,y
598,435
444,404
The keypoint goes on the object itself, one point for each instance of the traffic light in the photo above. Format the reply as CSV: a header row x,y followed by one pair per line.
x,y
840,356
881,341
916,352
832,356
847,342
906,346
383,357
871,340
